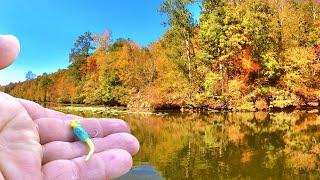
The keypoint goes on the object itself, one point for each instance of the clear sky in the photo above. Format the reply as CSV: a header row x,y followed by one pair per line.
x,y
47,29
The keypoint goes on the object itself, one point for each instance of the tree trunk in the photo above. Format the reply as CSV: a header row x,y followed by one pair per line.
x,y
188,54
222,80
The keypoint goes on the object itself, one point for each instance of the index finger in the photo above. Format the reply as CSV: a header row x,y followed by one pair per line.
x,y
36,111
53,129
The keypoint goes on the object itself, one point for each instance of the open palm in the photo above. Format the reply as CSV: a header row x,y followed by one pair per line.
x,y
37,143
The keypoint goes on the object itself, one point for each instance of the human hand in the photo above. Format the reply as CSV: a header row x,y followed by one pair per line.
x,y
38,143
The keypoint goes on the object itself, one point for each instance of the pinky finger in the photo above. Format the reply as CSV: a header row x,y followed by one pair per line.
x,y
105,165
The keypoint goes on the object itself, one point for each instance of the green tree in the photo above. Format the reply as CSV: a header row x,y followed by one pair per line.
x,y
183,25
82,49
45,83
30,75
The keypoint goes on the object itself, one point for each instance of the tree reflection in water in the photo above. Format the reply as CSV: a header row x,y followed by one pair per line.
x,y
142,172
256,145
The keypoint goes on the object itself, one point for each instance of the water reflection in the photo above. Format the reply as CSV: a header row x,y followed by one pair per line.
x,y
142,172
226,145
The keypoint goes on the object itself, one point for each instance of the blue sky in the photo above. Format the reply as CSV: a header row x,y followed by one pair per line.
x,y
47,28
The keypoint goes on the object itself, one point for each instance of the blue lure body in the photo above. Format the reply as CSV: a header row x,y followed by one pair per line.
x,y
81,133
83,136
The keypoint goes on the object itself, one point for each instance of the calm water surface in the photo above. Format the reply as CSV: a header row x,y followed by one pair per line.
x,y
225,145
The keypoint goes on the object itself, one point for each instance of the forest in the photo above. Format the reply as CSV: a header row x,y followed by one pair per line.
x,y
241,55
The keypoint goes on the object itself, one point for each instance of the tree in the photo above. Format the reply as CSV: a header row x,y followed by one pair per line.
x,y
234,38
45,83
82,49
183,25
242,53
102,41
30,75
309,11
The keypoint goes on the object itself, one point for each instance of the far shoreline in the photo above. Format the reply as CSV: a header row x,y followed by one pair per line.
x,y
96,108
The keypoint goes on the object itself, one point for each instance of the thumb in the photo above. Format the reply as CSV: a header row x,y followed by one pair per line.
x,y
9,50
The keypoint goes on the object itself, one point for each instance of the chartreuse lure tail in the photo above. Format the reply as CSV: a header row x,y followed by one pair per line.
x,y
83,136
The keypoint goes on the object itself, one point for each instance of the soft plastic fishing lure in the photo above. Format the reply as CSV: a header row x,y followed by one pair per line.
x,y
83,136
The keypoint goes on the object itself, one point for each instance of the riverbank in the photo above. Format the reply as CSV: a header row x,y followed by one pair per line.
x,y
116,110
106,111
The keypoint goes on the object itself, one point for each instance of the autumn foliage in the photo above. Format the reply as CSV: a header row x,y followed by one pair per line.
x,y
240,55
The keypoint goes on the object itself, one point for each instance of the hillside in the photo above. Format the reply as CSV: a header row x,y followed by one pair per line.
x,y
248,55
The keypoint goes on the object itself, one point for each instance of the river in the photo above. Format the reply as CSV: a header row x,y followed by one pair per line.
x,y
257,145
